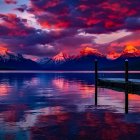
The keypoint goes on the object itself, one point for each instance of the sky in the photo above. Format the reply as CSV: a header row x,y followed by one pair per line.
x,y
43,28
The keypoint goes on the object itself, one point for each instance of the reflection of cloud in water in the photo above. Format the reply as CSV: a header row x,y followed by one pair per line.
x,y
67,87
61,84
116,99
33,82
103,125
4,89
11,117
134,102
111,98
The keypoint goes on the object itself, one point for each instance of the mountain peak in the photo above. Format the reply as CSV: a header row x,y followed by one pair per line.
x,y
3,51
113,55
130,51
90,51
60,57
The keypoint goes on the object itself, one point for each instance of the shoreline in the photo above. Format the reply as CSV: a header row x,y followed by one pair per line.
x,y
49,71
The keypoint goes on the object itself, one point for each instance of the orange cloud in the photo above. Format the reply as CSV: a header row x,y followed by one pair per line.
x,y
135,43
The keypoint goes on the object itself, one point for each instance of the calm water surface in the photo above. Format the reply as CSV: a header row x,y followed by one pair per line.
x,y
60,106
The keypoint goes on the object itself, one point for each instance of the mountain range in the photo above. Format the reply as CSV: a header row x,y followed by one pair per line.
x,y
12,61
83,61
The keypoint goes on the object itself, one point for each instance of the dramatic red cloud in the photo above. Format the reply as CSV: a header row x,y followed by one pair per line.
x,y
135,43
91,21
112,24
83,7
59,24
10,1
13,25
64,21
112,6
63,24
104,16
43,4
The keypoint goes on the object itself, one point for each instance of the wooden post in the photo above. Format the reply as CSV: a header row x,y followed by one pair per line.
x,y
126,86
126,71
96,80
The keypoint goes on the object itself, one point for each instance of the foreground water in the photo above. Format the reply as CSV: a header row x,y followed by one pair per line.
x,y
60,106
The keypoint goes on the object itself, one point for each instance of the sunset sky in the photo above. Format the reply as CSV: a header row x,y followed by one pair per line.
x,y
43,28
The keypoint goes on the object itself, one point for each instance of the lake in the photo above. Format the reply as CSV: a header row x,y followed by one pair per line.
x,y
61,106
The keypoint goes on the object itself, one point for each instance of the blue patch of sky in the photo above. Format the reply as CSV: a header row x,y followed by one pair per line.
x,y
9,8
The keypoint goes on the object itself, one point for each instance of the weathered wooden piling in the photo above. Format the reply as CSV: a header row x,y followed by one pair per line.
x,y
126,86
126,71
96,80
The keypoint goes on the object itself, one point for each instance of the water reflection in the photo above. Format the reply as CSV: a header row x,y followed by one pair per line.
x,y
61,106
4,89
68,86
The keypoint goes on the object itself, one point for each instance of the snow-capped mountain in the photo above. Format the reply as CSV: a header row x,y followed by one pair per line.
x,y
6,55
65,58
57,59
130,51
3,51
13,61
86,57
61,57
90,51
62,61
113,55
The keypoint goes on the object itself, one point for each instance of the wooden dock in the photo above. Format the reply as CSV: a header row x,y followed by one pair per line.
x,y
120,84
125,84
